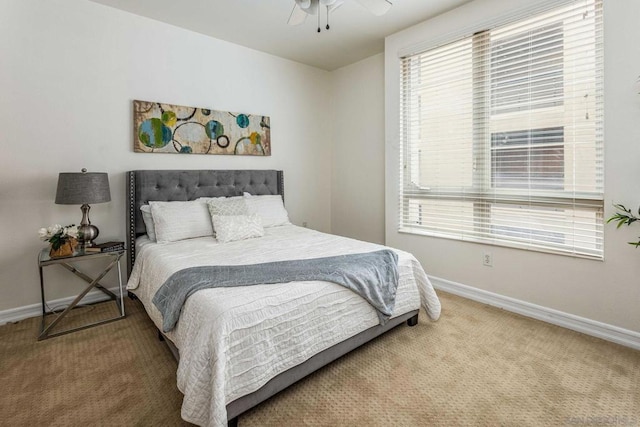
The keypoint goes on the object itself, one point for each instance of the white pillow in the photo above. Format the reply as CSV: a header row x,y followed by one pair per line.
x,y
269,208
180,220
230,228
227,206
148,222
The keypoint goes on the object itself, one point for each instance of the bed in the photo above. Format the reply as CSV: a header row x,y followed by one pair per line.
x,y
238,346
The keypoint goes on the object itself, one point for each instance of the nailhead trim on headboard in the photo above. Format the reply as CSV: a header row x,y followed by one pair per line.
x,y
131,220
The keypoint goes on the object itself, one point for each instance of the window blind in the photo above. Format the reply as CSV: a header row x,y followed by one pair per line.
x,y
502,135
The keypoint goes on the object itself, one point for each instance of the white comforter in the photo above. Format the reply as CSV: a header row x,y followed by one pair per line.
x,y
233,340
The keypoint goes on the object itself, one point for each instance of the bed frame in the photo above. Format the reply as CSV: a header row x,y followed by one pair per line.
x,y
176,185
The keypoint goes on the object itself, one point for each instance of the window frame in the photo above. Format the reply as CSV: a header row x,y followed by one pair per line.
x,y
482,193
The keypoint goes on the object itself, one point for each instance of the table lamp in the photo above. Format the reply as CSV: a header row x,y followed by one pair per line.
x,y
82,189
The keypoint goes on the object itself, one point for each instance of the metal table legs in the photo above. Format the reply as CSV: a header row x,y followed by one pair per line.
x,y
93,283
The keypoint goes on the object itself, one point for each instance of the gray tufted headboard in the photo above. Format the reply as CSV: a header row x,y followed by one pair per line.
x,y
172,185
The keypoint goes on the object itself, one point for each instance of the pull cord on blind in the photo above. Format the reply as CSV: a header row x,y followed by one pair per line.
x,y
503,135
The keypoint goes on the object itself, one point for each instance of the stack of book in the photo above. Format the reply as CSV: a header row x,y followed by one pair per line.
x,y
105,247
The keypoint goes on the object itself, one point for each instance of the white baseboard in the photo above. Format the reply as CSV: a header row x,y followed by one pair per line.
x,y
594,328
33,310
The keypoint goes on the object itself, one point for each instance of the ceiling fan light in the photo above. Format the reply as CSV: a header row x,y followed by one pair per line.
x,y
304,4
327,2
312,9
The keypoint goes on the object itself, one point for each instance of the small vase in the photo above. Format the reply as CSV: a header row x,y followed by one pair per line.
x,y
66,249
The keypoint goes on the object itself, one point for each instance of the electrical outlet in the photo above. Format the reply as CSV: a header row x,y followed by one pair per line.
x,y
304,224
487,259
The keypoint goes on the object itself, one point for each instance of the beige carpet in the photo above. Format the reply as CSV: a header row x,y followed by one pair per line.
x,y
476,366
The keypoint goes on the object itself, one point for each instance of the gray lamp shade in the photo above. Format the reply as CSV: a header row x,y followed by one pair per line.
x,y
79,188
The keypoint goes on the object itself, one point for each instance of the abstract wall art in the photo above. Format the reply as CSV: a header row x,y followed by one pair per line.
x,y
166,128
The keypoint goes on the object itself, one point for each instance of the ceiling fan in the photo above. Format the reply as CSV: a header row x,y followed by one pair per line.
x,y
302,8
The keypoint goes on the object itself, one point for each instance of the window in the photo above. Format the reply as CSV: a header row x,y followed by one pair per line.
x,y
502,135
529,78
531,158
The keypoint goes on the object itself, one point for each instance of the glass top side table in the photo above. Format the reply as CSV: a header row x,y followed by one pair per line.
x,y
113,259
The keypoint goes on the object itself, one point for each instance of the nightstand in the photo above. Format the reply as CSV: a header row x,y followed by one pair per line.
x,y
112,259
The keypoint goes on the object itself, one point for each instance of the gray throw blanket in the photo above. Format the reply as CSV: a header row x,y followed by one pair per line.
x,y
372,275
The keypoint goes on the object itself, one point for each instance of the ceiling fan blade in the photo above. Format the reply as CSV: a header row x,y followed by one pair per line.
x,y
297,17
377,7
336,4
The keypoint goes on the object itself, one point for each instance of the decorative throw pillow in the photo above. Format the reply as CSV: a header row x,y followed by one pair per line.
x,y
208,199
269,207
227,206
148,222
230,228
180,220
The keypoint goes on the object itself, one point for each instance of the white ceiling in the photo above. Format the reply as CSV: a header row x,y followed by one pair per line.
x,y
262,25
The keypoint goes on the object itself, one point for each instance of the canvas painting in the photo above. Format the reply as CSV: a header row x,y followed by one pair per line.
x,y
166,128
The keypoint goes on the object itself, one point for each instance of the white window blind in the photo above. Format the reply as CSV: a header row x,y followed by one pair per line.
x,y
502,135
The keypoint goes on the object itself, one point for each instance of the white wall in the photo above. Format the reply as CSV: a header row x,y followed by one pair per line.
x,y
606,291
357,177
69,70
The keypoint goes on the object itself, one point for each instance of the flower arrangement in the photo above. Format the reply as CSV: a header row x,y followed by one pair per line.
x,y
58,235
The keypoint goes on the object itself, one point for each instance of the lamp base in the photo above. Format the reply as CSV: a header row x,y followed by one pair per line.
x,y
88,233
